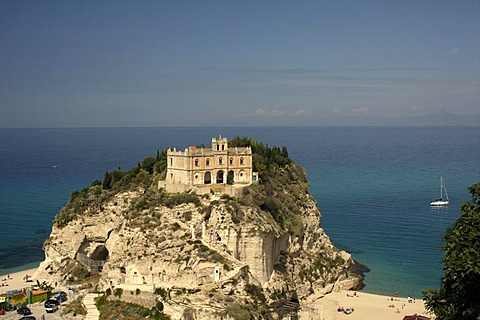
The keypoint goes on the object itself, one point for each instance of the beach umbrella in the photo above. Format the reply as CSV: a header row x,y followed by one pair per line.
x,y
415,317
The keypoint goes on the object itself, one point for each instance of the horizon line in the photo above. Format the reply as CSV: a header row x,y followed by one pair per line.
x,y
253,126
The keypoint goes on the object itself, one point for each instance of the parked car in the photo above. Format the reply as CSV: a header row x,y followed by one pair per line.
x,y
24,311
61,296
51,305
60,292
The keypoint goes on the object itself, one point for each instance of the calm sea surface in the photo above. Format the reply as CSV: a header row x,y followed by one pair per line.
x,y
372,185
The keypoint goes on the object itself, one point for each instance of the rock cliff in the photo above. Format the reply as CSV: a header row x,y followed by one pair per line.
x,y
207,257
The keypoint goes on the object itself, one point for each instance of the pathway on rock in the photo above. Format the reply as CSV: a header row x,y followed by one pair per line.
x,y
89,303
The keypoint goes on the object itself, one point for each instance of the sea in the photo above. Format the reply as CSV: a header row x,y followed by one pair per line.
x,y
373,186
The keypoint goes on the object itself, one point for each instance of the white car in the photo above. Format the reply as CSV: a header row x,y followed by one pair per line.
x,y
51,305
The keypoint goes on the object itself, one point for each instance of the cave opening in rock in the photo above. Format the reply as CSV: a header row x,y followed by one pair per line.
x,y
100,253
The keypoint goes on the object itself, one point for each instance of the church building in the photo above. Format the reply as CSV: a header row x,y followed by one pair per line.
x,y
206,166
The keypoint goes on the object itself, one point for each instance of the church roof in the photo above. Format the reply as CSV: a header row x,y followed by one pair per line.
x,y
208,151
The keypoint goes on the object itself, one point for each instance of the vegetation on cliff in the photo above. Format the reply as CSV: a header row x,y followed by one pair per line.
x,y
117,309
459,293
279,192
282,184
276,206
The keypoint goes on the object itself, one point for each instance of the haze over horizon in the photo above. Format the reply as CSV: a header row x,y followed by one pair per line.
x,y
225,63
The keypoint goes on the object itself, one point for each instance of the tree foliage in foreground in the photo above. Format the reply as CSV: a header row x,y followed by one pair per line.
x,y
459,293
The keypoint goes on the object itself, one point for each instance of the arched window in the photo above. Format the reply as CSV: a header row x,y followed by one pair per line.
x,y
230,177
231,161
223,147
241,160
207,162
196,162
220,177
220,161
207,178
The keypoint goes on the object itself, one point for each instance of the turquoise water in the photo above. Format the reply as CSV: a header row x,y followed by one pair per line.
x,y
373,186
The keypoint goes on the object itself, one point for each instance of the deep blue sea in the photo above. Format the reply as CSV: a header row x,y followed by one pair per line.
x,y
372,184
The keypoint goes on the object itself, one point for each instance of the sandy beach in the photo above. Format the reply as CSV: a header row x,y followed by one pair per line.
x,y
16,280
366,306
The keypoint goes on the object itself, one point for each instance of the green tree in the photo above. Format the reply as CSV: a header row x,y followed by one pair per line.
x,y
459,293
148,164
107,180
118,292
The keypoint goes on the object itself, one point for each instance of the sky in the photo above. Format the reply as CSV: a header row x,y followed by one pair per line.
x,y
238,63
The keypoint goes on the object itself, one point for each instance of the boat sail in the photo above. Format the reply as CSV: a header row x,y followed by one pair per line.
x,y
440,201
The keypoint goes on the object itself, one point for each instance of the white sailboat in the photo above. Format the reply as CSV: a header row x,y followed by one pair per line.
x,y
440,201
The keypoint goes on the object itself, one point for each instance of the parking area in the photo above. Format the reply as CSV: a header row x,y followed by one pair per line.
x,y
38,311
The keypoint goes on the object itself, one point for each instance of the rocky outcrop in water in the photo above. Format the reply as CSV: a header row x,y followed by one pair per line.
x,y
203,257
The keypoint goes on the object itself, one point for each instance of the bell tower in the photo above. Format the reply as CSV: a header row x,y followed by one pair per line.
x,y
220,144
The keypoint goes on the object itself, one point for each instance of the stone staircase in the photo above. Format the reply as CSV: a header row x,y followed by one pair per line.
x,y
89,303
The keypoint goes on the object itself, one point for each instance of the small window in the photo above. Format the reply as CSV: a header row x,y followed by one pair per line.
x,y
196,162
218,147
207,162
220,161
231,161
241,174
171,161
223,147
241,160
196,176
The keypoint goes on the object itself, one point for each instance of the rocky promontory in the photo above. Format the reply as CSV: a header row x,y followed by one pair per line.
x,y
258,254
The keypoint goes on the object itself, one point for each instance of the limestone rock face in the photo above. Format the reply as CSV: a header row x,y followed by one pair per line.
x,y
198,259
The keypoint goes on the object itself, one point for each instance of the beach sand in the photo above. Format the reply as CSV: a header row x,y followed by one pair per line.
x,y
16,280
366,306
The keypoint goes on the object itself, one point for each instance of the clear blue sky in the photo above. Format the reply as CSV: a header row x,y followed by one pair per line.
x,y
218,63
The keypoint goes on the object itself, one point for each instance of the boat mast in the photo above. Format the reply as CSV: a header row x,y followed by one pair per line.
x,y
445,188
441,187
